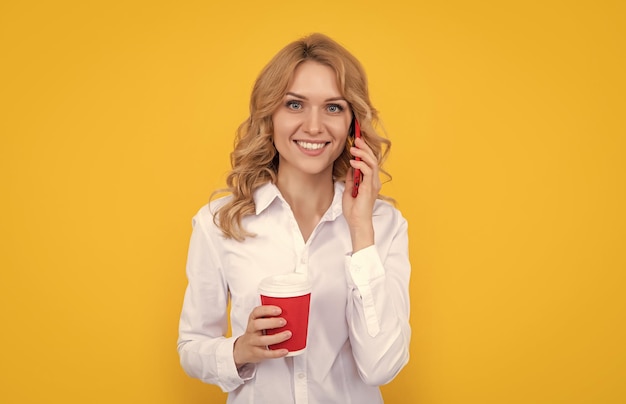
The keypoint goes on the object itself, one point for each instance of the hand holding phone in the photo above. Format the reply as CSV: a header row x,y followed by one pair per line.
x,y
357,172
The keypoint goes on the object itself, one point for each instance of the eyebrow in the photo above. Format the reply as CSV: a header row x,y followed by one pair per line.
x,y
302,97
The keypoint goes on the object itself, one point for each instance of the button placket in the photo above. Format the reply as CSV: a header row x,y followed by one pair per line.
x,y
300,379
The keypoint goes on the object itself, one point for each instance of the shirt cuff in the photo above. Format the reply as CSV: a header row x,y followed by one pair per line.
x,y
230,377
363,267
247,371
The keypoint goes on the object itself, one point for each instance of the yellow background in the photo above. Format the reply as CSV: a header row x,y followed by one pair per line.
x,y
508,123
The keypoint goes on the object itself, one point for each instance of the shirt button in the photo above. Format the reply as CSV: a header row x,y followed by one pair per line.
x,y
301,375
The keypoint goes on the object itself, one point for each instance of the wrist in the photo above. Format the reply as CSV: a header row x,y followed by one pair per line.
x,y
362,237
238,362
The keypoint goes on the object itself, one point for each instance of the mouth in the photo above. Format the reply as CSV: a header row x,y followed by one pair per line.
x,y
311,146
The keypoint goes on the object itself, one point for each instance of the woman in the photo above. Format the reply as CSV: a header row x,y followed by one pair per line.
x,y
291,209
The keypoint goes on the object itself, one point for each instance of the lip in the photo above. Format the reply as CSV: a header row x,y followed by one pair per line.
x,y
311,152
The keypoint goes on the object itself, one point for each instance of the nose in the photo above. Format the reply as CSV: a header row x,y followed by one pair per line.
x,y
313,122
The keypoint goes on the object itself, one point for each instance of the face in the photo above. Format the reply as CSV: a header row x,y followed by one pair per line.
x,y
311,125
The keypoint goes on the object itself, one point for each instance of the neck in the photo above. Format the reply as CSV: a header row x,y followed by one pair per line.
x,y
306,193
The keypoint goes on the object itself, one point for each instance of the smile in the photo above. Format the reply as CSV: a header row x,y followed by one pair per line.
x,y
310,146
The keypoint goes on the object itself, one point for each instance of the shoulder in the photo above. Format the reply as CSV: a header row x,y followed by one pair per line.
x,y
205,215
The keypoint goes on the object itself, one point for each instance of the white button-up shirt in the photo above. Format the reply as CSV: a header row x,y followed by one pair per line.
x,y
359,328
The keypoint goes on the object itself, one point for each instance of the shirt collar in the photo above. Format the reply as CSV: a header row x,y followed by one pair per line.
x,y
264,196
268,192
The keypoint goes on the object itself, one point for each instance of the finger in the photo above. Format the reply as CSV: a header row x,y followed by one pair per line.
x,y
269,340
262,342
253,341
361,144
261,313
268,323
265,311
364,155
253,348
266,340
265,353
364,147
366,169
370,176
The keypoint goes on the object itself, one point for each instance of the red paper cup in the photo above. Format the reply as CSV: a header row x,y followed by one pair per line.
x,y
292,293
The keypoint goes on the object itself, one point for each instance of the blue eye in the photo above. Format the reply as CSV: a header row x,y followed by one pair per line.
x,y
295,105
335,108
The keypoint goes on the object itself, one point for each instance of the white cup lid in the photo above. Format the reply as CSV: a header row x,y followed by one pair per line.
x,y
285,285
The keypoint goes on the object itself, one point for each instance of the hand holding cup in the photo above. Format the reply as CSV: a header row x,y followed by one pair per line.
x,y
251,347
292,293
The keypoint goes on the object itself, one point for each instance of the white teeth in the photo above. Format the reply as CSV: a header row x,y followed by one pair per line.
x,y
311,146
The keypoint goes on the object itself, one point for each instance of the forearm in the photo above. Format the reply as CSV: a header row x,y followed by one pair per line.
x,y
205,353
378,312
380,337
211,361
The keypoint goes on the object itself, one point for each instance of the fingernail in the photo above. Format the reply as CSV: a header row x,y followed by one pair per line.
x,y
282,322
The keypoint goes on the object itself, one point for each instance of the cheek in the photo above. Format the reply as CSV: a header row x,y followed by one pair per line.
x,y
340,132
339,127
341,142
284,126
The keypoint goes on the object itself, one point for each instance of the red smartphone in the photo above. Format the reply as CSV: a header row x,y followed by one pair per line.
x,y
357,172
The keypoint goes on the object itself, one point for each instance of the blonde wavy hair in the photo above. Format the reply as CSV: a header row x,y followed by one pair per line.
x,y
254,159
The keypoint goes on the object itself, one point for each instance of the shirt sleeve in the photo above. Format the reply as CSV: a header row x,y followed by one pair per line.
x,y
205,352
378,306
